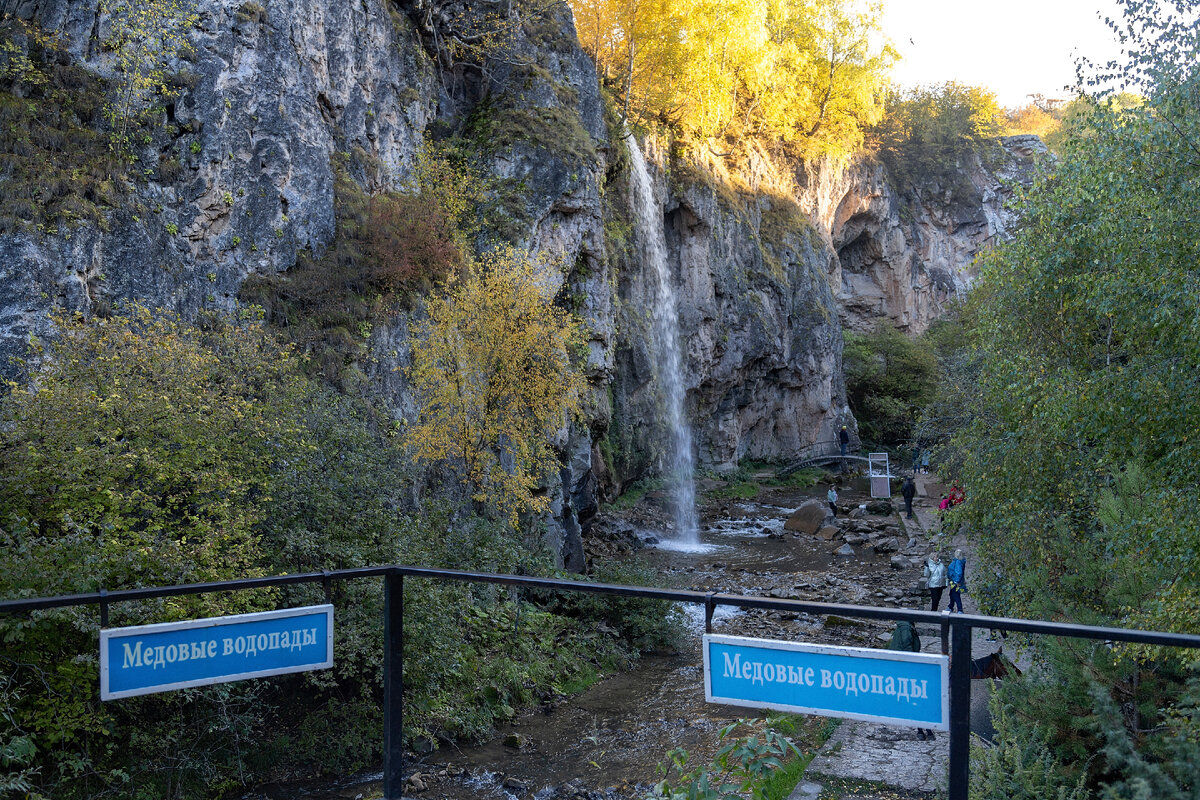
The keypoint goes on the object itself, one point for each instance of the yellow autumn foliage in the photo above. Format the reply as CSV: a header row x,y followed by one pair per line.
x,y
810,71
492,370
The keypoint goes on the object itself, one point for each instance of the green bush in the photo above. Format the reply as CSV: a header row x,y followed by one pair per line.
x,y
927,132
740,767
889,379
145,451
1021,765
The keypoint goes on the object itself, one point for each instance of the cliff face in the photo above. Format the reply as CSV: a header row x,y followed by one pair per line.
x,y
903,254
757,324
280,93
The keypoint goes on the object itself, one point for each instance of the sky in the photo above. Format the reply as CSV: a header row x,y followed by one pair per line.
x,y
1014,48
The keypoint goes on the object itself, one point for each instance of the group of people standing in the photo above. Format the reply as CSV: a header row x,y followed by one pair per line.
x,y
949,501
939,576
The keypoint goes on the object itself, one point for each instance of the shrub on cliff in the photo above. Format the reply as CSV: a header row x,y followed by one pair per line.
x,y
493,370
927,133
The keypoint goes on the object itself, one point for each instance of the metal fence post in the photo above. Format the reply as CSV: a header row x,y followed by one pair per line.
x,y
960,710
393,686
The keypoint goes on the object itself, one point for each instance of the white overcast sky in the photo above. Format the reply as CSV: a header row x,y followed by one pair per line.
x,y
1014,48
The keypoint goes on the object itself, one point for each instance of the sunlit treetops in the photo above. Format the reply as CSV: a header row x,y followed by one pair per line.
x,y
806,71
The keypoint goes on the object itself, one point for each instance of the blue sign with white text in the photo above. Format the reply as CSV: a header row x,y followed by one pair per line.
x,y
176,655
884,686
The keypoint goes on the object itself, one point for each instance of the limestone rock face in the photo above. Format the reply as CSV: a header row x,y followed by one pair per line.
x,y
757,324
274,97
282,95
903,255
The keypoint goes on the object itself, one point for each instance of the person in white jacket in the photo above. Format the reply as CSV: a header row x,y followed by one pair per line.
x,y
935,576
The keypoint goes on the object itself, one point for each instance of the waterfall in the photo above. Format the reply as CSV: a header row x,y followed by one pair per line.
x,y
665,347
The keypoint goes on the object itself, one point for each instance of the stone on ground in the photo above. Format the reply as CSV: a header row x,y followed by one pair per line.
x,y
808,518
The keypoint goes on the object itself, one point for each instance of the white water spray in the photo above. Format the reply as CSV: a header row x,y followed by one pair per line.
x,y
653,243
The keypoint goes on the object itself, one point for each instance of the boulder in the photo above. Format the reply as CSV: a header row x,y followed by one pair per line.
x,y
844,550
829,532
880,507
900,562
809,517
888,545
858,513
856,538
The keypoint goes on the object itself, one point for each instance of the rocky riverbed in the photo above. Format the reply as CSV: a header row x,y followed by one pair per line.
x,y
607,742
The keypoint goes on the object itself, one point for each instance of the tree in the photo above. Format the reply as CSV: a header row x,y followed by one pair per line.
x,y
492,369
146,37
889,378
1083,464
1033,119
927,132
803,70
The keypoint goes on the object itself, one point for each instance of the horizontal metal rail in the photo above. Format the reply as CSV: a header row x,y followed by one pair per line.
x,y
1067,629
955,631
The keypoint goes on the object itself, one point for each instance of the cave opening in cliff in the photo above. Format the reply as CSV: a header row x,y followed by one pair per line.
x,y
860,253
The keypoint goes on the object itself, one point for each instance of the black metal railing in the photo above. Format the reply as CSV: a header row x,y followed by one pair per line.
x,y
822,452
955,630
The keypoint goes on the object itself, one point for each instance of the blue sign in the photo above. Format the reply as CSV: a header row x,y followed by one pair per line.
x,y
175,655
886,686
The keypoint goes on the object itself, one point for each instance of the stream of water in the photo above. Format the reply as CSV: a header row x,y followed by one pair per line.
x,y
608,741
680,470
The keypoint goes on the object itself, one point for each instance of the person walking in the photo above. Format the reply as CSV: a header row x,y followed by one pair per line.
x,y
957,575
832,497
843,440
935,576
908,491
925,461
905,639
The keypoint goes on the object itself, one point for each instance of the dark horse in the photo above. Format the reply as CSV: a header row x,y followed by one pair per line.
x,y
993,666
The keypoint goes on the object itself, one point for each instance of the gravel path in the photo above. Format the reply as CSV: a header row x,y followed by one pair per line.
x,y
892,756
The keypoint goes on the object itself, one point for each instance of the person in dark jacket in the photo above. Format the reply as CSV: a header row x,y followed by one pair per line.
x,y
905,639
843,440
908,491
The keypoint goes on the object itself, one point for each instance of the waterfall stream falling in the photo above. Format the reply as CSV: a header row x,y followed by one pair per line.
x,y
648,220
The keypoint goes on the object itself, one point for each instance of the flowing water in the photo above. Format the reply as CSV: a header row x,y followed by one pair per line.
x,y
608,741
648,220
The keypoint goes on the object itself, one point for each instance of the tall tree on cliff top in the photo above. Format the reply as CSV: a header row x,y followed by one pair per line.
x,y
795,69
